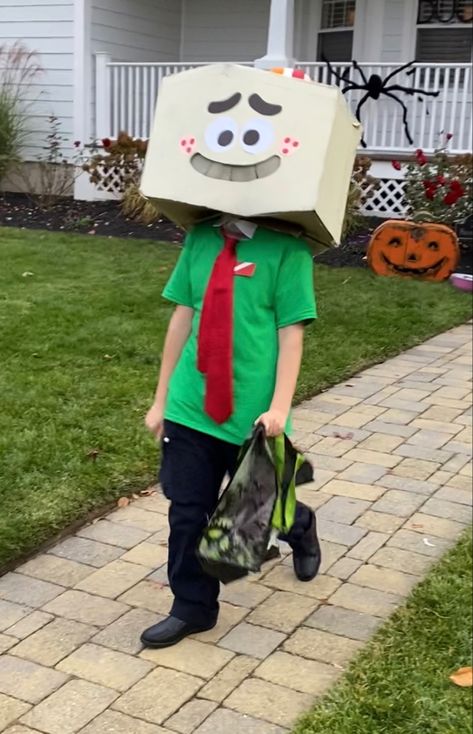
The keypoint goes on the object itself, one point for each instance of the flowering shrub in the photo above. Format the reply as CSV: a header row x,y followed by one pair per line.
x,y
117,163
439,188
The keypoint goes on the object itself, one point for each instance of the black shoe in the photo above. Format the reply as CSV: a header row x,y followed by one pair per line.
x,y
171,631
306,555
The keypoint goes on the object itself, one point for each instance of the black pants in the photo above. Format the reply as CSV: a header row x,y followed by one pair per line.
x,y
193,468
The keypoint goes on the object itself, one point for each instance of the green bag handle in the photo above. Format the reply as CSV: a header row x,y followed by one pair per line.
x,y
286,470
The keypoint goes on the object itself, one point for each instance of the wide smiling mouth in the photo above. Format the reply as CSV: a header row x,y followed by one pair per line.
x,y
432,270
228,172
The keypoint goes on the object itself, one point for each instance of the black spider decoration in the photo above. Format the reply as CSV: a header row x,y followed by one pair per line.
x,y
375,86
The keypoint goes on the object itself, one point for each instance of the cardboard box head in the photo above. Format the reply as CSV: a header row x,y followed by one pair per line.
x,y
254,144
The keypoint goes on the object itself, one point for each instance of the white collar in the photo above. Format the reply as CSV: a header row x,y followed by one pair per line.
x,y
243,226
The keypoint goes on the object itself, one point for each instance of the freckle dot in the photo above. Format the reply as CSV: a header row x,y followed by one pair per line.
x,y
192,141
188,150
285,151
287,140
295,143
183,142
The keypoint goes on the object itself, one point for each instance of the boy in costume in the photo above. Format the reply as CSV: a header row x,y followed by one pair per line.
x,y
237,140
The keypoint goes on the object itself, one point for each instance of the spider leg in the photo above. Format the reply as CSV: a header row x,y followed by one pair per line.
x,y
336,74
352,86
412,90
397,71
357,113
360,105
404,114
358,68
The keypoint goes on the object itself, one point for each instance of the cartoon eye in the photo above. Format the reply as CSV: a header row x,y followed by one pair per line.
x,y
395,242
433,245
257,135
221,134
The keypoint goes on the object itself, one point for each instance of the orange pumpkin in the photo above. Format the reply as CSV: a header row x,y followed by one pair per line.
x,y
422,251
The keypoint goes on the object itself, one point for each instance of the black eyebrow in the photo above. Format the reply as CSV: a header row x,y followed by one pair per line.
x,y
264,108
224,105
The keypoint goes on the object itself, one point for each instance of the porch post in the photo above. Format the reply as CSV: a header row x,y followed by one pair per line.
x,y
102,96
280,46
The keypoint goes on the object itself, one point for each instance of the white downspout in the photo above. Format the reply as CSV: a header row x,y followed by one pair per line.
x,y
280,46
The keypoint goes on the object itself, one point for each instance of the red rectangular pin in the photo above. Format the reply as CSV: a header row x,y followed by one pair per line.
x,y
246,269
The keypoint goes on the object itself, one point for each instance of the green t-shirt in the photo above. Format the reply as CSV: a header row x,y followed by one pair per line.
x,y
279,293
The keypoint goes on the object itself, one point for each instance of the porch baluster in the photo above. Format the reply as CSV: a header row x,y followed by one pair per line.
x,y
102,95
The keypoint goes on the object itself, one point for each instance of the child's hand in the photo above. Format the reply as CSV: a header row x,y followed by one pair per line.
x,y
154,420
274,422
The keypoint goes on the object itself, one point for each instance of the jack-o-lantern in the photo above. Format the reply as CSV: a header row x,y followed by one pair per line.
x,y
422,251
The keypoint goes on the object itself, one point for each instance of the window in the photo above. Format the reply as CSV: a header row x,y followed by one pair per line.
x,y
336,30
444,32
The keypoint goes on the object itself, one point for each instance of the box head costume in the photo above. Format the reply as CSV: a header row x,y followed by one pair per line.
x,y
273,153
270,147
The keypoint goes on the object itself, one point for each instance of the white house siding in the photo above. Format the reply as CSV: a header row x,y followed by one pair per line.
x,y
136,30
45,26
224,30
398,30
133,31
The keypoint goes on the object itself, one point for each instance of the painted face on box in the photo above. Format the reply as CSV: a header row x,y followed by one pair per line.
x,y
236,149
251,143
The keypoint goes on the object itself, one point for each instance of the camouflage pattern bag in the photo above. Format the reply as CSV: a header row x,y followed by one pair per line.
x,y
257,505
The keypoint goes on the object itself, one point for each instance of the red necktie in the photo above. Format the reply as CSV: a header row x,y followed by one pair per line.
x,y
215,345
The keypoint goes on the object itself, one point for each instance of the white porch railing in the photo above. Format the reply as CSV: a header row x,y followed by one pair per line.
x,y
125,97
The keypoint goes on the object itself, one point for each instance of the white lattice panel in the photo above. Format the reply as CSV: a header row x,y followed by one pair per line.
x,y
110,186
386,199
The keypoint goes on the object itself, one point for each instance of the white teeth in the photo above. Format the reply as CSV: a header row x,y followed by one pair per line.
x,y
200,163
267,167
243,173
227,172
216,170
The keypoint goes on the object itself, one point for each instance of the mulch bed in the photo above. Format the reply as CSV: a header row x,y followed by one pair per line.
x,y
101,218
104,218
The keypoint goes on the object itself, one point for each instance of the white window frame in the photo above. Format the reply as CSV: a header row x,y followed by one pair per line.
x,y
411,28
356,29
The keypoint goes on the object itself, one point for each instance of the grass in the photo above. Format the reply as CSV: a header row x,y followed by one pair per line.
x,y
399,684
81,328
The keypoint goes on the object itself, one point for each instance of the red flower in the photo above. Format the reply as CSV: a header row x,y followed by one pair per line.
x,y
441,180
76,143
106,142
396,165
430,188
449,136
421,158
450,198
455,192
456,186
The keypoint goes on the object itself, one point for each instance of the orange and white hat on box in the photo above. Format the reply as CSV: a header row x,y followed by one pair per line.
x,y
291,72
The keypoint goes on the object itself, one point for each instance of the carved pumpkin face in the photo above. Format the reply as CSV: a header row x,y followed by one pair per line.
x,y
421,251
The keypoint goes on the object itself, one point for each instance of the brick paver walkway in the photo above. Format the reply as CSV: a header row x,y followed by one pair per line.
x,y
392,449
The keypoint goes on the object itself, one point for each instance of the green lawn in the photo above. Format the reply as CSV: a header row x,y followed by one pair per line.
x,y
399,684
80,341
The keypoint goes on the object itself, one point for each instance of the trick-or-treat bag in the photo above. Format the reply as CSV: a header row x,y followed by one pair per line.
x,y
258,505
